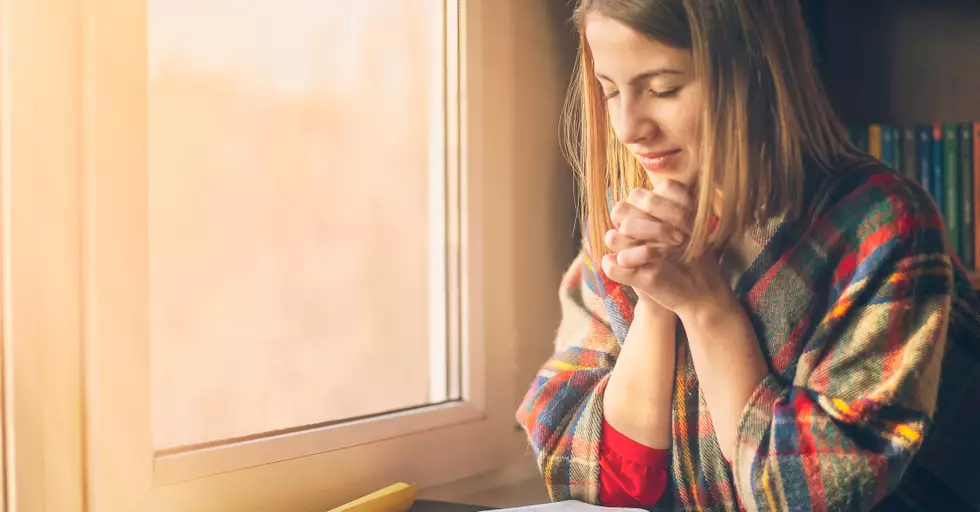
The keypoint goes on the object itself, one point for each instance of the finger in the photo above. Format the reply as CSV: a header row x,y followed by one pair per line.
x,y
617,272
660,207
616,214
617,241
624,210
641,226
675,192
649,230
639,256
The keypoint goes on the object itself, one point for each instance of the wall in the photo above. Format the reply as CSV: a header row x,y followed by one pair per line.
x,y
544,206
903,61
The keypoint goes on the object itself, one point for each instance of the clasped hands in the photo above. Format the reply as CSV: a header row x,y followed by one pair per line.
x,y
651,228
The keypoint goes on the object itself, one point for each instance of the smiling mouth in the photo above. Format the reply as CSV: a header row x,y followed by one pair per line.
x,y
660,161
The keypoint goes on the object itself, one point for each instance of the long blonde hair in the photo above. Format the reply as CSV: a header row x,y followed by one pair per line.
x,y
765,122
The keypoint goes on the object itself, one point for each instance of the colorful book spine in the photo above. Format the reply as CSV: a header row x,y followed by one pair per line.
x,y
951,159
937,188
967,233
923,153
874,140
908,154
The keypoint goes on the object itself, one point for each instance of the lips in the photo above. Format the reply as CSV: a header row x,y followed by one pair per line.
x,y
660,161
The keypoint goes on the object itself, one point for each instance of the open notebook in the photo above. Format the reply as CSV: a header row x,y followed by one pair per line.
x,y
567,506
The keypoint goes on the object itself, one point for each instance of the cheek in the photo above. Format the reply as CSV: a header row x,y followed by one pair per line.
x,y
612,117
689,119
687,109
687,132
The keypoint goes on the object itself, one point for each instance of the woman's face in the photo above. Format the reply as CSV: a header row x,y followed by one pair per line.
x,y
653,98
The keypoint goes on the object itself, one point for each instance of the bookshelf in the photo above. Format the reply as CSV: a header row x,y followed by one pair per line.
x,y
900,62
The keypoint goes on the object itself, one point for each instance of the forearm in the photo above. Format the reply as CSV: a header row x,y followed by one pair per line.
x,y
637,399
728,360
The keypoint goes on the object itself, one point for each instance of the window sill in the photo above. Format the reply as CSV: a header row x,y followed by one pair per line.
x,y
515,486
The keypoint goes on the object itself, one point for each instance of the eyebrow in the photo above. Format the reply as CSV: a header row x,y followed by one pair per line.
x,y
645,75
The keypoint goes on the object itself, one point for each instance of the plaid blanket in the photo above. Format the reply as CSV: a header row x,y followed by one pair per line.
x,y
859,308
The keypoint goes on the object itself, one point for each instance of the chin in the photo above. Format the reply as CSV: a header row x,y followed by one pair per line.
x,y
686,178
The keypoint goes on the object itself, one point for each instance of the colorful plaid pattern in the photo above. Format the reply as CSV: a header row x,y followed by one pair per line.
x,y
855,306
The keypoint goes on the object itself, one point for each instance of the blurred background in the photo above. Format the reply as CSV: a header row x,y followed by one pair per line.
x,y
298,250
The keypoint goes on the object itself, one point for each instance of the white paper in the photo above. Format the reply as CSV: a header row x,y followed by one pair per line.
x,y
568,506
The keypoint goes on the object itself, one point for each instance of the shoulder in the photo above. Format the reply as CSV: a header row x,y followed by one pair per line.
x,y
873,204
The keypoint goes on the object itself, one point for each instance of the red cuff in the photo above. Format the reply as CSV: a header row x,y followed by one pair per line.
x,y
628,449
630,474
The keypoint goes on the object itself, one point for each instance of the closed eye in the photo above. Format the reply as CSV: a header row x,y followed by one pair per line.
x,y
661,94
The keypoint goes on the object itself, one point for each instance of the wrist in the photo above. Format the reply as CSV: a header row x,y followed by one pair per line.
x,y
647,306
713,312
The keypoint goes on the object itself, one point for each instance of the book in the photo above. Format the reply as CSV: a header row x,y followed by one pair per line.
x,y
896,148
874,140
951,202
967,233
923,154
976,194
567,506
397,497
909,163
936,180
887,146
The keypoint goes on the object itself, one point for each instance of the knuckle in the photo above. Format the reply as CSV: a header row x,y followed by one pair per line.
x,y
608,267
631,227
628,257
626,227
651,204
617,209
610,238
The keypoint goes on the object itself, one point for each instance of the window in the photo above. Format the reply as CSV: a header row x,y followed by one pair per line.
x,y
298,214
196,222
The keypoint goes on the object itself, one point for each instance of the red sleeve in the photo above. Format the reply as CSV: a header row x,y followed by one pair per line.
x,y
630,474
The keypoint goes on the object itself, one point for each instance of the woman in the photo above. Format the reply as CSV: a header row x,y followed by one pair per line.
x,y
761,317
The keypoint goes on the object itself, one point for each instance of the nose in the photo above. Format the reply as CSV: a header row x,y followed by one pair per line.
x,y
633,123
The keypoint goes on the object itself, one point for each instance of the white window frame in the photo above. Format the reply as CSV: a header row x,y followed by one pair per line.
x,y
74,254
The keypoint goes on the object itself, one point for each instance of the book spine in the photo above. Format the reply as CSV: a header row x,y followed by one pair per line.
x,y
923,156
951,159
887,147
897,148
908,154
976,195
874,140
966,193
937,188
